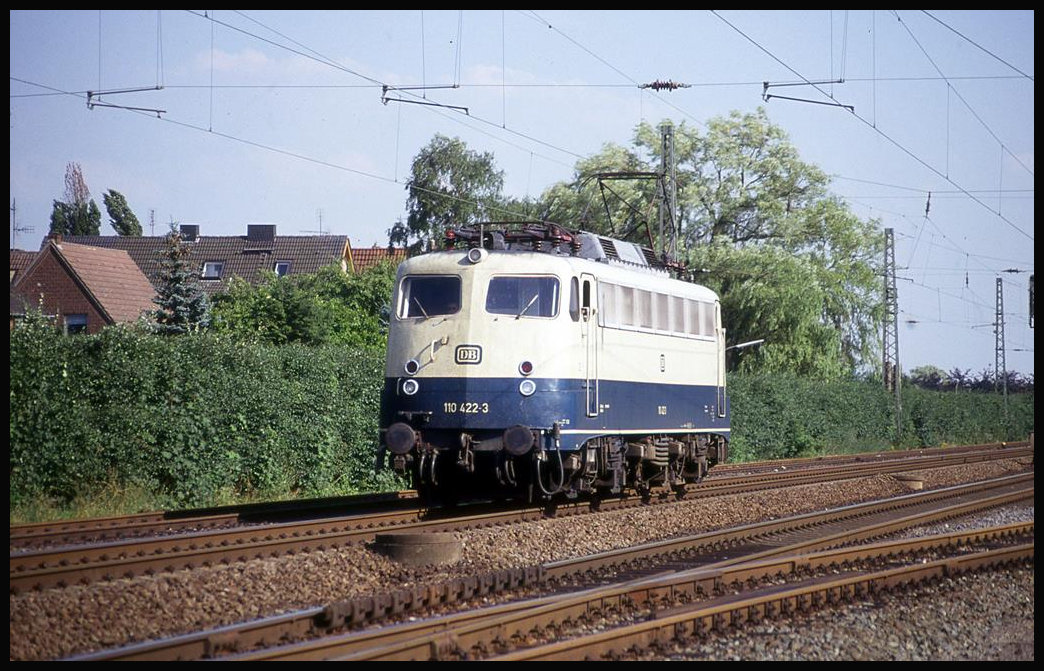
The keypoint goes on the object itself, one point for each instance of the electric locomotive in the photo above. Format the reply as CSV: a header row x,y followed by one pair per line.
x,y
537,362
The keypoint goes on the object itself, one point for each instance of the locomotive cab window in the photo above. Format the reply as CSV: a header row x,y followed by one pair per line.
x,y
521,296
429,295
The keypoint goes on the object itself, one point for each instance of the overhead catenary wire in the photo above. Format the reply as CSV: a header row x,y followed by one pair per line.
x,y
951,88
975,44
504,85
886,136
329,62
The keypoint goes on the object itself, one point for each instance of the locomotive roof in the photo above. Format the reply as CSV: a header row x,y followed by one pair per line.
x,y
555,239
606,258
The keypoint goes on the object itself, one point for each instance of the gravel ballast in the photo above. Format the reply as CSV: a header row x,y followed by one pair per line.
x,y
57,623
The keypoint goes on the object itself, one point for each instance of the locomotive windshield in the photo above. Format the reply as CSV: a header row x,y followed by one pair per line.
x,y
523,296
429,295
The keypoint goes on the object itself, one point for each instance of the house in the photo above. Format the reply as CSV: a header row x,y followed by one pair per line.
x,y
219,258
364,258
20,260
84,288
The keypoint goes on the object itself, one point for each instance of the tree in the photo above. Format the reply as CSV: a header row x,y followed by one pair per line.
x,y
78,214
329,306
276,311
930,377
358,303
183,306
450,185
121,217
960,378
758,225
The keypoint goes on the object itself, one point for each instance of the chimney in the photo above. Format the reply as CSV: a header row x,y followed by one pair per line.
x,y
189,232
261,232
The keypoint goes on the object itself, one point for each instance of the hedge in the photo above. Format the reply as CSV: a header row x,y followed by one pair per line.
x,y
780,416
189,416
193,417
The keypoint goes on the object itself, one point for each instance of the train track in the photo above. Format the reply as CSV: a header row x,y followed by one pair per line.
x,y
685,586
53,533
96,530
83,564
686,623
56,533
955,451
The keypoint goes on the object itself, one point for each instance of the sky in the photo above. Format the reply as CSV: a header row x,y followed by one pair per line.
x,y
309,119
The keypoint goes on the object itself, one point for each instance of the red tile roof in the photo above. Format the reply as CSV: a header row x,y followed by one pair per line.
x,y
367,257
240,255
20,260
108,278
112,278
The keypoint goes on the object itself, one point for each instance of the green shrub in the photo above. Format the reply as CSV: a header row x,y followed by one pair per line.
x,y
777,416
192,417
201,418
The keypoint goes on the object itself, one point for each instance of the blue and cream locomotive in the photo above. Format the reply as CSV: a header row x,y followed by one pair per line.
x,y
542,362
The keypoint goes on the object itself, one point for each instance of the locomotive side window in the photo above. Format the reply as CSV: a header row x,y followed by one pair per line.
x,y
692,317
574,299
609,314
645,308
429,295
634,309
662,323
523,296
626,305
706,319
677,314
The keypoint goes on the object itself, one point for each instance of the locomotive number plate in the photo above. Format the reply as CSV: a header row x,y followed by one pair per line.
x,y
467,408
468,354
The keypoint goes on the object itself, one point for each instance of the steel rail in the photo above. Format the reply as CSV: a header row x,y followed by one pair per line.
x,y
319,621
59,567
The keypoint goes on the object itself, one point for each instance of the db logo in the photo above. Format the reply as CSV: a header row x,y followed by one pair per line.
x,y
468,354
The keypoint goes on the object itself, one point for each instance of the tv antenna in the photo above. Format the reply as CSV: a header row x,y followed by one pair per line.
x,y
319,216
15,228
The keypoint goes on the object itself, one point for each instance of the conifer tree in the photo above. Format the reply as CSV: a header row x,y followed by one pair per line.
x,y
183,305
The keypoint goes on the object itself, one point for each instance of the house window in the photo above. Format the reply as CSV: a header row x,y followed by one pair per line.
x,y
212,270
75,324
282,268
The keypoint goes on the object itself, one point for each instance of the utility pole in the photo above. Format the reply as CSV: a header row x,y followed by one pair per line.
x,y
1000,367
893,376
1031,301
668,192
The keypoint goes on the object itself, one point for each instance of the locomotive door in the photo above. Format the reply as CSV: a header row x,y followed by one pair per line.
x,y
589,336
721,359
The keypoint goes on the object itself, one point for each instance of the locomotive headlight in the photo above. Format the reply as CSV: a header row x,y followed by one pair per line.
x,y
526,367
477,254
527,387
410,387
412,366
